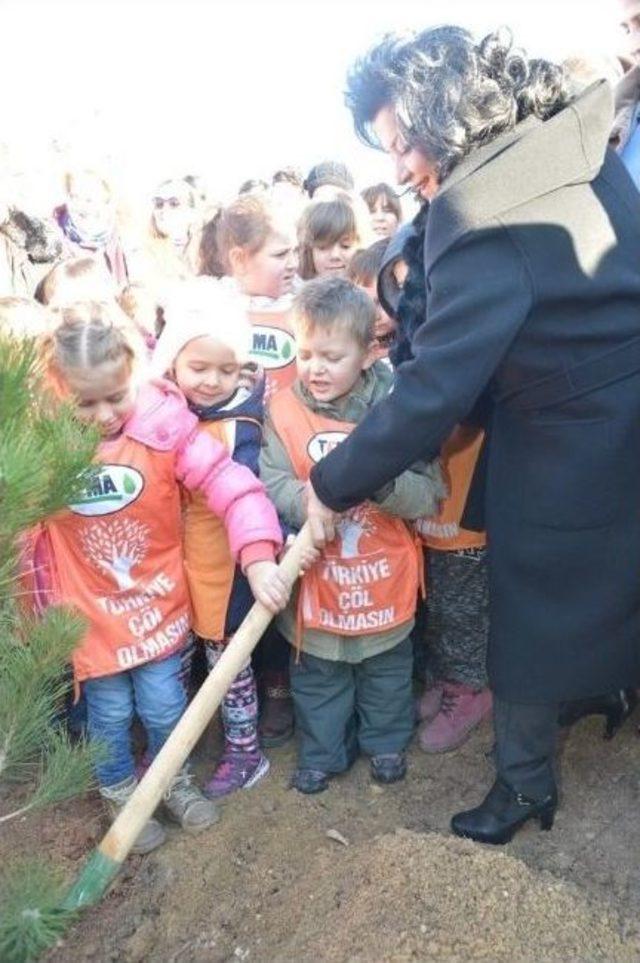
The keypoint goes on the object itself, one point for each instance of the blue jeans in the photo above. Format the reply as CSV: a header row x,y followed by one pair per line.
x,y
155,691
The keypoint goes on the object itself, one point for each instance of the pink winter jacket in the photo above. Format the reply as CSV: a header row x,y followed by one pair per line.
x,y
162,422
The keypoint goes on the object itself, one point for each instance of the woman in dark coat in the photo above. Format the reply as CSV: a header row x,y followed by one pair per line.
x,y
531,295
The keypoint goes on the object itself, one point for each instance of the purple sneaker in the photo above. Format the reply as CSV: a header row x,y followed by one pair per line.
x,y
236,770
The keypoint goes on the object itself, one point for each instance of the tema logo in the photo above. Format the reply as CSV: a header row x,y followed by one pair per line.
x,y
324,442
110,490
272,347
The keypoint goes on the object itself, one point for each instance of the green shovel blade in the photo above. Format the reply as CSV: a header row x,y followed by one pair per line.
x,y
95,878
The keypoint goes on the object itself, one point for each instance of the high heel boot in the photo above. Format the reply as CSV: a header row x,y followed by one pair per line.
x,y
503,812
616,707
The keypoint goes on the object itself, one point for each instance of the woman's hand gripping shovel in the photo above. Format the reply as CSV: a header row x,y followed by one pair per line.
x,y
104,863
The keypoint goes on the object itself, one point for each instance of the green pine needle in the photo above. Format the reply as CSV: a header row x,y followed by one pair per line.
x,y
30,918
66,770
44,451
34,680
45,462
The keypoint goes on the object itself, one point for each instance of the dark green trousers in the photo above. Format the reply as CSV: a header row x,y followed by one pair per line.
x,y
341,708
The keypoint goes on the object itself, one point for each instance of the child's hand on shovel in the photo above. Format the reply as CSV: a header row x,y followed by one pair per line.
x,y
269,587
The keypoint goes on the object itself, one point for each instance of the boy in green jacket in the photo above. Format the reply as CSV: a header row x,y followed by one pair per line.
x,y
351,619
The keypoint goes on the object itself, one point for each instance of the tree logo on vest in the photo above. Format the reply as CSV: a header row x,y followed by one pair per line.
x,y
323,442
115,546
272,347
110,490
350,529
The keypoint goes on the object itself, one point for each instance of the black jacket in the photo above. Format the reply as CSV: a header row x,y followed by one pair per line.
x,y
532,266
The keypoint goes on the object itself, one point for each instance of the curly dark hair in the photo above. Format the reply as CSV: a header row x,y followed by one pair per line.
x,y
374,81
451,93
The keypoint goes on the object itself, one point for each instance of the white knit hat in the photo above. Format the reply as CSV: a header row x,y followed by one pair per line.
x,y
198,308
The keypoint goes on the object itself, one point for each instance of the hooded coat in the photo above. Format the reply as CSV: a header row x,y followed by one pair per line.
x,y
533,296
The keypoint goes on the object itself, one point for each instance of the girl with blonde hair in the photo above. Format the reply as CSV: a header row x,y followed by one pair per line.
x,y
115,555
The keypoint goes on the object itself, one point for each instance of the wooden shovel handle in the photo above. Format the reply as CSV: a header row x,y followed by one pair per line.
x,y
124,831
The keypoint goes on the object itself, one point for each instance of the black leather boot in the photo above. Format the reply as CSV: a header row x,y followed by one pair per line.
x,y
615,707
502,814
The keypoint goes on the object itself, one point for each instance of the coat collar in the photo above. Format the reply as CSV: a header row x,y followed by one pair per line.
x,y
372,385
534,159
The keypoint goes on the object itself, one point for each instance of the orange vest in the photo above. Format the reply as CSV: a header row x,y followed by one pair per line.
x,y
274,349
367,579
208,562
117,557
458,457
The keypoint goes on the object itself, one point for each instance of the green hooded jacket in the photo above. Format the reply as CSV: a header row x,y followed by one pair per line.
x,y
414,493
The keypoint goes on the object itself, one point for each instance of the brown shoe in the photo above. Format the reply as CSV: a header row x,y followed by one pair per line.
x,y
275,727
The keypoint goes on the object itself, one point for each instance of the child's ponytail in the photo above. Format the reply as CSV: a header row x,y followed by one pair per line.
x,y
83,336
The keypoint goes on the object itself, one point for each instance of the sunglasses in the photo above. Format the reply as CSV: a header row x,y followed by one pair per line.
x,y
160,202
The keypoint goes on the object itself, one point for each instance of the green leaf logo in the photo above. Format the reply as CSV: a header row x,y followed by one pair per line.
x,y
129,485
286,350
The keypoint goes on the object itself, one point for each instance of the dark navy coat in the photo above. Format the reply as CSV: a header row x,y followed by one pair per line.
x,y
532,266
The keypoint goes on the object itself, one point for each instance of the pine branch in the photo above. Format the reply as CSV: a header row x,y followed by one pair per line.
x,y
45,453
65,770
30,918
34,680
17,373
44,459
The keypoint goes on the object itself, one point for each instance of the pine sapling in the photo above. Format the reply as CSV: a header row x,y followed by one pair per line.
x,y
45,456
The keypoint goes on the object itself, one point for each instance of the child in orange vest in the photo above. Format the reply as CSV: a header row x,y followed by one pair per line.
x,y
351,682
457,697
202,348
257,245
116,553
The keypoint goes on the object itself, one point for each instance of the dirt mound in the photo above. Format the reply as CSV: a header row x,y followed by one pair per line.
x,y
269,884
407,896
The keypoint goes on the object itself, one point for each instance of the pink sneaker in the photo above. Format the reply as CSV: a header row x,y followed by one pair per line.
x,y
462,709
236,770
428,705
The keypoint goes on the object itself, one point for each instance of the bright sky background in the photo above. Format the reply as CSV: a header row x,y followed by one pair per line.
x,y
228,89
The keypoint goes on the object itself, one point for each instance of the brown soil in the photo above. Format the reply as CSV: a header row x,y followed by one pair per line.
x,y
270,882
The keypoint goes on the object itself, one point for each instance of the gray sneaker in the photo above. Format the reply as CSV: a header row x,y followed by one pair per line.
x,y
116,797
187,805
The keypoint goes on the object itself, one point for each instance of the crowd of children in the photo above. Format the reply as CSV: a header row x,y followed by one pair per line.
x,y
220,356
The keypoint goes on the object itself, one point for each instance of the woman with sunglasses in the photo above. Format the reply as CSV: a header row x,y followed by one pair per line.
x,y
171,247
